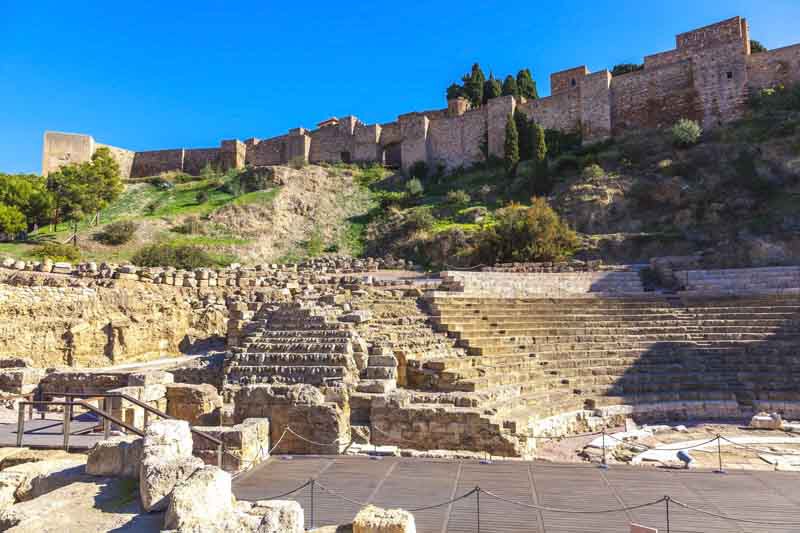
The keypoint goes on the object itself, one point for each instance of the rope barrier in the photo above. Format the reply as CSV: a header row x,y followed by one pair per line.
x,y
304,485
733,518
572,511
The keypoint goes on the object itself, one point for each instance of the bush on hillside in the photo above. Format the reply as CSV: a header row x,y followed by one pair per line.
x,y
686,132
183,256
521,233
458,197
593,171
414,187
418,170
201,197
12,220
56,251
191,226
117,233
565,163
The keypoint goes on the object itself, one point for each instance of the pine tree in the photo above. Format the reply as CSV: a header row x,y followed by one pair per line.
x,y
524,130
473,85
526,85
491,89
510,86
454,91
511,147
541,182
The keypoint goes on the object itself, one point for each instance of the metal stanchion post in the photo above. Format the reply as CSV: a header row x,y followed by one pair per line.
x,y
666,503
719,455
312,502
66,423
20,425
478,504
106,423
604,464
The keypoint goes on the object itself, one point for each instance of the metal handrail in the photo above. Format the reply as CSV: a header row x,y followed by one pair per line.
x,y
139,403
148,408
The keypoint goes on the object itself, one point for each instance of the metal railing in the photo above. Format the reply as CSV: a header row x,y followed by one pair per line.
x,y
76,398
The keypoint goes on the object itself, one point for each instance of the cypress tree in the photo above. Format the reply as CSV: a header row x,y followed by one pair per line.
x,y
510,86
511,146
473,85
524,130
541,182
526,85
491,89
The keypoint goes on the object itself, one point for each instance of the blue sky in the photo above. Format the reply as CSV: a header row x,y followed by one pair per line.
x,y
170,74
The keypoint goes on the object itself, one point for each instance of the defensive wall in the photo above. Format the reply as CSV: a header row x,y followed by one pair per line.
x,y
707,77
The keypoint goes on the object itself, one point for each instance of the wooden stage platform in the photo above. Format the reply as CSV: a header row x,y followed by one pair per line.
x,y
414,483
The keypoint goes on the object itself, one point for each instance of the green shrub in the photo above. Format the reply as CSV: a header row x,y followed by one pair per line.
x,y
12,220
778,98
593,171
184,256
191,226
298,162
414,187
419,219
458,197
418,170
686,132
161,182
117,233
201,197
534,233
57,252
565,163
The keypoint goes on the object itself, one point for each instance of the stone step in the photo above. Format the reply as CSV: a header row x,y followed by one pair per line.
x,y
300,346
294,359
314,375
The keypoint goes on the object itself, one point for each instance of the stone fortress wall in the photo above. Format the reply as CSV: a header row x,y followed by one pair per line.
x,y
707,77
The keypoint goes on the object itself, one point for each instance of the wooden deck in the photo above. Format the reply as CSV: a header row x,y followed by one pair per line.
x,y
412,483
48,433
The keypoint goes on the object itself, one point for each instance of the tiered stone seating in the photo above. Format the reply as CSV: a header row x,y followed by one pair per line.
x,y
293,345
782,280
533,285
569,354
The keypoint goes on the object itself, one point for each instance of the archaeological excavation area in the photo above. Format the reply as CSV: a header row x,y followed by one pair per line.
x,y
519,393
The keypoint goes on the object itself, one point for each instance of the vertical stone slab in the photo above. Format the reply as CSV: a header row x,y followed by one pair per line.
x,y
232,154
414,132
596,106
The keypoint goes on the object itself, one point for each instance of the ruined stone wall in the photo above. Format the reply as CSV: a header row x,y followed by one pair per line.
x,y
596,106
414,131
456,141
366,147
97,326
123,157
157,161
196,159
775,67
497,112
561,111
232,154
331,143
720,78
654,97
267,152
63,148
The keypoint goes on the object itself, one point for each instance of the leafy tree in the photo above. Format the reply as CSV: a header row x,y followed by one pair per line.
x,y
624,68
511,146
455,91
534,233
491,89
756,47
524,130
28,193
473,85
526,85
414,187
510,86
12,220
82,189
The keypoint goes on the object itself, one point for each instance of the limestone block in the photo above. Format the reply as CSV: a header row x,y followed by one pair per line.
x,y
116,457
279,516
246,444
168,439
357,317
193,403
158,477
25,481
202,502
20,380
156,377
766,421
373,519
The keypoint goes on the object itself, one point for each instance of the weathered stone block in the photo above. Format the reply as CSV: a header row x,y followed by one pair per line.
x,y
373,519
158,477
279,516
194,403
202,502
116,457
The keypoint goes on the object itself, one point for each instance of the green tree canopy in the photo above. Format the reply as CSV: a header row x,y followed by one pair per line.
x,y
525,84
510,86
524,131
491,89
756,47
12,221
28,194
624,68
541,180
511,146
455,91
473,85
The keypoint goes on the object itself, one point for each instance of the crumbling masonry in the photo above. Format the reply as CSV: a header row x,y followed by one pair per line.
x,y
707,77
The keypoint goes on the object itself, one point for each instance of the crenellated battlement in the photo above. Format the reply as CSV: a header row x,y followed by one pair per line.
x,y
707,77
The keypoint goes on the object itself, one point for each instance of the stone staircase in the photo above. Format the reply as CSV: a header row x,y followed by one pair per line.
x,y
571,354
293,344
538,285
